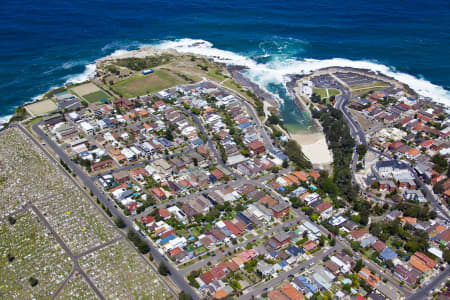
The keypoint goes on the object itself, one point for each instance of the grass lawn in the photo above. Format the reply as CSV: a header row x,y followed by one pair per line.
x,y
323,92
249,236
96,96
364,88
328,199
195,232
200,250
139,85
333,92
217,75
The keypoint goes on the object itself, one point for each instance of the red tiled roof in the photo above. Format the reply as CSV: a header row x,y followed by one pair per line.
x,y
147,220
132,206
217,272
276,295
207,277
164,213
323,206
166,234
268,200
310,245
158,192
291,292
175,251
217,173
314,175
255,145
356,234
301,175
232,227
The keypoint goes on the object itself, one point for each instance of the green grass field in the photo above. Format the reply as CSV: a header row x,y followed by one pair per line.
x,y
139,85
96,96
365,88
323,92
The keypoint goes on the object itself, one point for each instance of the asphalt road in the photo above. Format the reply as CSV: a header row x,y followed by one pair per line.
x,y
423,293
177,276
144,163
357,132
174,275
220,255
285,275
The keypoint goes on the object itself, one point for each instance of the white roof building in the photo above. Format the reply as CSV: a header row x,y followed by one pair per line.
x,y
129,155
87,128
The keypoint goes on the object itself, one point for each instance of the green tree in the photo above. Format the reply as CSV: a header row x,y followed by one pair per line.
x,y
33,281
322,240
440,163
162,269
362,150
390,264
119,222
295,154
11,220
447,255
273,119
355,245
184,296
359,265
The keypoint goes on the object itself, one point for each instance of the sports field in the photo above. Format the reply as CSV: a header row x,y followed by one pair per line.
x,y
86,89
41,108
139,85
96,96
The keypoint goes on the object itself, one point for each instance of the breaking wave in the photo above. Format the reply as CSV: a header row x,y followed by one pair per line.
x,y
88,73
4,120
278,67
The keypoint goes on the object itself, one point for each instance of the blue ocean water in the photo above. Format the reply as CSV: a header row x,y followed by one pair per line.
x,y
45,43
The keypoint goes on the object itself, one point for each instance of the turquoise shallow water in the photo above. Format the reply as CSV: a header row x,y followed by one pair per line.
x,y
46,43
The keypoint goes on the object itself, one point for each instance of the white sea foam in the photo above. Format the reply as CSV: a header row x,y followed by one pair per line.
x,y
276,70
88,73
119,52
4,119
73,63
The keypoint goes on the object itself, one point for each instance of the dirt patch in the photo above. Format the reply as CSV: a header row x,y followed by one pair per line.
x,y
41,107
363,122
86,89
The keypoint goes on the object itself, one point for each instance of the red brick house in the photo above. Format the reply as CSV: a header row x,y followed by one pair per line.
x,y
158,193
217,174
147,220
121,177
257,146
102,165
123,102
280,210
310,245
164,213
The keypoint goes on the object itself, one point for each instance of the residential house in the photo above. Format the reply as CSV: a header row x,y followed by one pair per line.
x,y
280,210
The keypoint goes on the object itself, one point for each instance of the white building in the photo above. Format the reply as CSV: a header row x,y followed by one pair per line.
x,y
178,213
87,128
129,155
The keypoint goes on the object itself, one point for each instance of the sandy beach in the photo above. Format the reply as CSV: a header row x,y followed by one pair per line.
x,y
314,146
